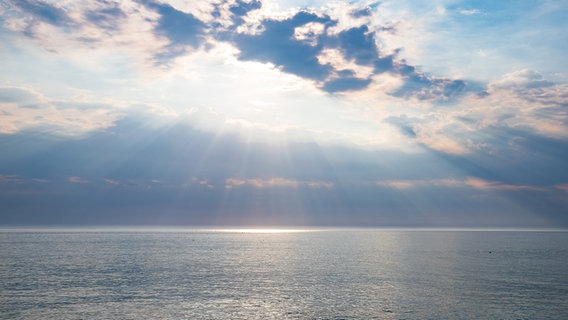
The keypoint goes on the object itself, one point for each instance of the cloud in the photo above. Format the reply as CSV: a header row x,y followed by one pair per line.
x,y
309,32
409,184
320,184
339,50
358,44
195,106
183,30
277,45
365,12
43,11
111,182
76,179
470,182
26,109
344,68
469,12
10,178
140,174
345,83
404,124
521,101
424,87
339,57
275,182
434,130
299,44
109,18
495,185
22,96
522,79
100,30
179,27
241,8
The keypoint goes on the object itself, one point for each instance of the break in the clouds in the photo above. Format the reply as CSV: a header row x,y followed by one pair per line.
x,y
283,112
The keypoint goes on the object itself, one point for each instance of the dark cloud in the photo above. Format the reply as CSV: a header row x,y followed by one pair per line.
x,y
345,84
365,12
359,44
241,8
277,45
182,29
384,64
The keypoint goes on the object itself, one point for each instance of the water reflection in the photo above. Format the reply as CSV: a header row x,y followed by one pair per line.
x,y
283,275
263,230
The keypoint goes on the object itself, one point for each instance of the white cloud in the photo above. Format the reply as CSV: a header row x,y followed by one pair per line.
x,y
469,12
522,100
335,58
203,9
309,32
25,109
521,79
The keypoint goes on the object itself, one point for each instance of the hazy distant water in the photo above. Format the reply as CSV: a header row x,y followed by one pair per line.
x,y
312,275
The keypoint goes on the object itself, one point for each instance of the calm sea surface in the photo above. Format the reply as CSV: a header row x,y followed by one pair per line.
x,y
378,274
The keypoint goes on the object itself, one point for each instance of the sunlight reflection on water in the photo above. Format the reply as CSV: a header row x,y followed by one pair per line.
x,y
263,230
370,274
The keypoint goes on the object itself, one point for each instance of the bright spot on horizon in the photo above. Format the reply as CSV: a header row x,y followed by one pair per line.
x,y
264,230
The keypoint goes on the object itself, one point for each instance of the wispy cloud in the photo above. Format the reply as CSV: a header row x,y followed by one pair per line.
x,y
276,182
76,179
495,185
470,182
469,12
10,178
25,109
562,186
111,182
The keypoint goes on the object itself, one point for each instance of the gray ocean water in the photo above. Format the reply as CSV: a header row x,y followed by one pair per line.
x,y
372,274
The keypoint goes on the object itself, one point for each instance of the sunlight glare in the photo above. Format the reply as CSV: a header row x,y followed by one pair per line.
x,y
264,230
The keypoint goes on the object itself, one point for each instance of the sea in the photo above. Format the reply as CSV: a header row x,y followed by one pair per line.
x,y
283,274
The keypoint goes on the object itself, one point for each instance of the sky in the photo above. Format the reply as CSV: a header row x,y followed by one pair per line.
x,y
396,113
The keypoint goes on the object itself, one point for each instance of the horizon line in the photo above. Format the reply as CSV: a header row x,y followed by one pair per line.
x,y
260,229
